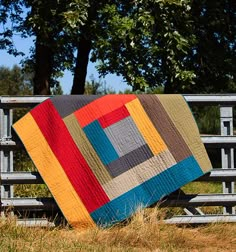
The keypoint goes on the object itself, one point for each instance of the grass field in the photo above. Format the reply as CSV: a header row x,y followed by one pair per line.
x,y
145,232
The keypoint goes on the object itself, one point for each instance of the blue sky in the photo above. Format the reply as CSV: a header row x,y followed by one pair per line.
x,y
24,45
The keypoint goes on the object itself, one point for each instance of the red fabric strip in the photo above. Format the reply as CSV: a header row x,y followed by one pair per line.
x,y
113,117
69,156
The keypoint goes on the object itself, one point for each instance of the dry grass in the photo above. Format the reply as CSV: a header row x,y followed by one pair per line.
x,y
145,232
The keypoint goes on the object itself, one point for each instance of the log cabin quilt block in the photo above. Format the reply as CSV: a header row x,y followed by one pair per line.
x,y
104,157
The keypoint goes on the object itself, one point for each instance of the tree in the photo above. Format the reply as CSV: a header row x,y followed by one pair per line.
x,y
14,81
213,56
146,42
84,46
9,11
56,25
44,21
49,22
94,87
152,43
185,46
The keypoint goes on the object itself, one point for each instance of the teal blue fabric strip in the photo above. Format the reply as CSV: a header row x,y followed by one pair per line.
x,y
100,142
148,193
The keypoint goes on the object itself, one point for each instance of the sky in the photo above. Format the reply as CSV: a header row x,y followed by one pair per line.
x,y
111,80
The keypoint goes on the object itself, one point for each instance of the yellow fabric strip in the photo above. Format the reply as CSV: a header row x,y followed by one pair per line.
x,y
145,126
86,149
179,112
52,172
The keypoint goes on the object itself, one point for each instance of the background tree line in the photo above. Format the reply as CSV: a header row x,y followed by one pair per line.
x,y
182,46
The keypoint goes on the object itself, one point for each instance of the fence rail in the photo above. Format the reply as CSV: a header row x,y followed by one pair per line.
x,y
190,202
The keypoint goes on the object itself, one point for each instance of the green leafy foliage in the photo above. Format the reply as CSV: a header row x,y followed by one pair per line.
x,y
208,119
14,81
54,24
94,87
185,46
145,42
10,18
213,56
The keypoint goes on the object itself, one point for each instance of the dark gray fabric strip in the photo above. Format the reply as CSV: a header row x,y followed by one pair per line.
x,y
68,104
129,160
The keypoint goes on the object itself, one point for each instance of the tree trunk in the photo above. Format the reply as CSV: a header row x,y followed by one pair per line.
x,y
168,89
80,72
43,69
83,49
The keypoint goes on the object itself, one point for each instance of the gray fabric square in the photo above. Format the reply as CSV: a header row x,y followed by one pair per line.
x,y
124,136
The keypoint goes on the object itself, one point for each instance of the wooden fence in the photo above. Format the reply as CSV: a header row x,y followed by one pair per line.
x,y
44,211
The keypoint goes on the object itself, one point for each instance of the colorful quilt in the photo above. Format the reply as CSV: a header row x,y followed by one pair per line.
x,y
104,157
